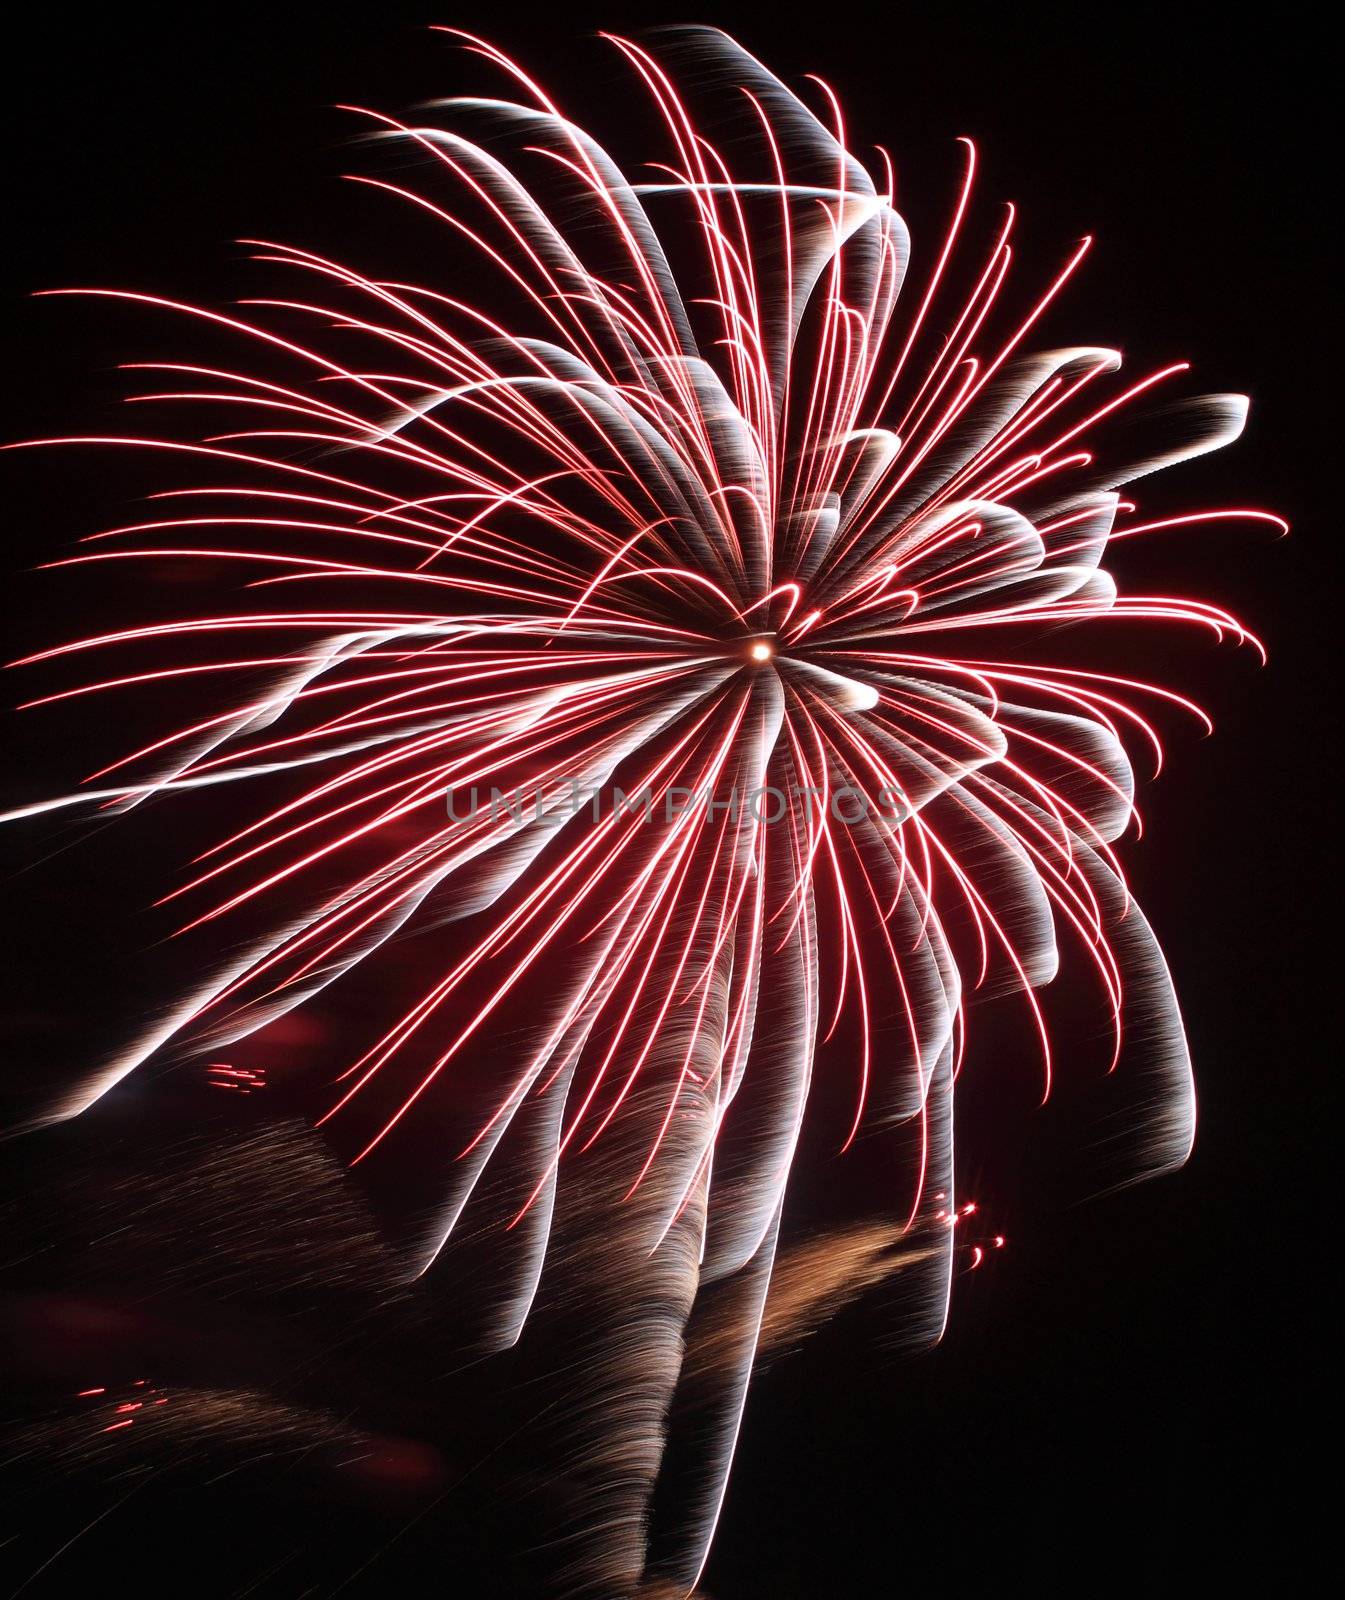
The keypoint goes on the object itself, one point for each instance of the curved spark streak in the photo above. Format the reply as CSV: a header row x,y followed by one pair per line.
x,y
694,511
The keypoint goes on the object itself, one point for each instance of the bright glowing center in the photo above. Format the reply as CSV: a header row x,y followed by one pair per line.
x,y
761,651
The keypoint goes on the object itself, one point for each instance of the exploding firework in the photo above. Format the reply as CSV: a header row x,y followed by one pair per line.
x,y
660,609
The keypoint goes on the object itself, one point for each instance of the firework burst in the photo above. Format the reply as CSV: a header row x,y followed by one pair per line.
x,y
672,626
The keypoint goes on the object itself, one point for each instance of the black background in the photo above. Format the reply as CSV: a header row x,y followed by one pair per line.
x,y
1131,1391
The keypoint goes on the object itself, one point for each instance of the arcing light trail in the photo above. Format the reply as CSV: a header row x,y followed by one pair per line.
x,y
703,498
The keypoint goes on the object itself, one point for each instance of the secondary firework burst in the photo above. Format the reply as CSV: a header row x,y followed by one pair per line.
x,y
693,497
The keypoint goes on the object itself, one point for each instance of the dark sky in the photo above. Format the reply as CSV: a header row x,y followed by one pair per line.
x,y
1133,1387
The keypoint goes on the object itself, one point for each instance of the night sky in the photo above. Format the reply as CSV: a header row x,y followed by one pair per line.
x,y
1130,1390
